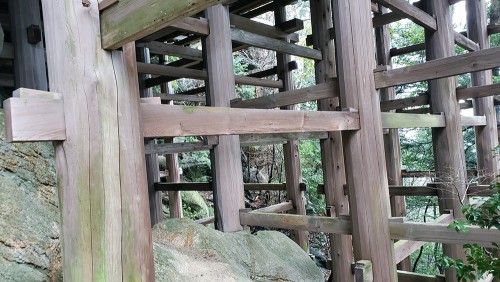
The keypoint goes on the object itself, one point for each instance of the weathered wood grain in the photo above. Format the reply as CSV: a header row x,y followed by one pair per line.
x,y
464,42
478,91
411,12
161,48
282,207
473,121
401,120
261,28
398,104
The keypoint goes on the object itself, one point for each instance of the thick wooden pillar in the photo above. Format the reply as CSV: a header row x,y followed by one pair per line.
x,y
227,171
448,147
101,172
363,149
391,138
293,171
29,57
486,136
332,154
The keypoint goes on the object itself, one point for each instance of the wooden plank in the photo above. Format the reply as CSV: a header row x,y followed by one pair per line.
x,y
131,20
29,59
439,68
166,120
282,207
478,91
363,149
397,190
493,29
405,276
407,50
186,98
37,94
246,80
411,12
227,172
161,48
207,186
380,20
174,197
473,120
464,42
197,26
297,96
398,104
261,28
175,148
404,248
257,139
104,4
401,120
34,119
260,41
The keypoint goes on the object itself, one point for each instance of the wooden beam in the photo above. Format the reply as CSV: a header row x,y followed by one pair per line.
x,y
397,190
473,120
104,4
398,104
208,186
131,20
255,27
161,48
405,50
400,120
186,98
480,191
197,26
439,68
166,120
282,207
258,139
260,41
464,42
175,148
380,20
316,92
478,91
493,29
411,12
405,276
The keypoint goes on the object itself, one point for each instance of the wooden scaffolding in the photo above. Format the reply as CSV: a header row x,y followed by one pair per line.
x,y
104,118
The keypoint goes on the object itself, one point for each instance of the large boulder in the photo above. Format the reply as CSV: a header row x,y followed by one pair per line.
x,y
185,251
29,230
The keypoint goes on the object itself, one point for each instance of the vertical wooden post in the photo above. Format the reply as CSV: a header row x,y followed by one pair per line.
x,y
152,166
449,155
29,58
226,159
293,171
391,140
486,136
363,149
332,154
101,173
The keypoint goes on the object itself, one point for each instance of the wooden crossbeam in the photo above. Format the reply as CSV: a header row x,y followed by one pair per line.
x,y
387,18
464,42
400,120
261,28
404,248
166,120
186,98
405,276
478,91
413,13
405,50
460,40
264,139
493,29
470,62
175,148
161,48
281,46
396,190
316,92
281,207
197,26
208,186
397,104
126,21
473,120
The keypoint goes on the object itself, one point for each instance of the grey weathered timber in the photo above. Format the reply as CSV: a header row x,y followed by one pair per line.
x,y
363,271
478,91
364,150
486,136
281,207
439,68
174,197
391,140
256,139
29,59
406,50
398,104
260,41
175,148
226,161
131,20
380,20
449,155
477,121
464,42
332,155
105,221
493,29
184,98
411,12
292,97
261,28
403,120
293,173
207,186
161,48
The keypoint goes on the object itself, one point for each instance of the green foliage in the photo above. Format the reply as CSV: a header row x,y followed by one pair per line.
x,y
312,175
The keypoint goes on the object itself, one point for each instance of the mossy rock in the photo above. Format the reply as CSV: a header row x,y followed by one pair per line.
x,y
193,205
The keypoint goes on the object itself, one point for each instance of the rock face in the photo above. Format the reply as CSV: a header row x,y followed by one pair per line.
x,y
185,251
29,230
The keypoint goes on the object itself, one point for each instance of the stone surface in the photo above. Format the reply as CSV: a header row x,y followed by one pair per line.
x,y
192,202
185,251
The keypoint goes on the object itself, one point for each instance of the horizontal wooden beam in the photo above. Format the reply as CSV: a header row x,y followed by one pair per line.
x,y
493,29
281,46
387,18
131,20
473,120
312,93
478,91
208,186
406,50
404,248
104,4
176,148
405,276
397,104
480,191
464,42
161,48
166,120
401,120
186,98
265,139
197,26
411,12
396,190
281,207
255,27
470,62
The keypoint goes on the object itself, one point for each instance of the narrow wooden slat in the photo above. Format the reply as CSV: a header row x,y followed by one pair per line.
x,y
161,48
465,42
186,98
316,92
397,104
184,186
439,68
131,20
406,50
260,28
166,120
397,190
34,119
478,91
400,120
175,148
413,13
405,276
247,80
383,19
493,29
258,139
473,120
282,207
192,25
260,41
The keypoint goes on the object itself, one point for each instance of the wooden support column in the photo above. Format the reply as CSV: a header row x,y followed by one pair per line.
x,y
293,171
101,172
29,57
332,154
391,140
486,136
449,155
152,166
364,149
227,171
174,197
